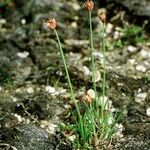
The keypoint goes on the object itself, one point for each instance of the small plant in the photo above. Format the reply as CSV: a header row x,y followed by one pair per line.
x,y
132,34
97,124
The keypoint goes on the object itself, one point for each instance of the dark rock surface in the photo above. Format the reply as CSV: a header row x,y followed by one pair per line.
x,y
138,7
27,137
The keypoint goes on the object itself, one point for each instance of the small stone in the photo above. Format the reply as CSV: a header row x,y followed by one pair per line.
x,y
74,24
52,128
43,124
24,54
131,48
30,90
132,61
116,35
109,28
19,90
72,137
23,21
148,111
0,88
97,76
145,53
141,68
76,6
50,89
120,127
18,117
67,106
141,97
86,70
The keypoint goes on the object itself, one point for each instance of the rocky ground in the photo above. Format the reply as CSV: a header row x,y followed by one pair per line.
x,y
33,88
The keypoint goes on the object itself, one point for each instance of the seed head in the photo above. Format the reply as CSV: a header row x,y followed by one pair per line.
x,y
51,23
102,17
89,5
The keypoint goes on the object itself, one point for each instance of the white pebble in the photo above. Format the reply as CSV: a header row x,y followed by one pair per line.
x,y
44,124
23,21
132,61
50,89
141,97
18,117
52,128
74,24
3,21
97,76
145,53
30,90
141,68
109,28
86,70
148,111
24,54
72,137
131,48
116,35
0,88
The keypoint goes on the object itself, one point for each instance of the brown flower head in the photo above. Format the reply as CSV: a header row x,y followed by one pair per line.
x,y
89,5
102,16
90,96
51,23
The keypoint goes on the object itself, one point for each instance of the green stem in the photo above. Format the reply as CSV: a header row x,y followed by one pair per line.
x,y
104,62
104,78
92,51
70,85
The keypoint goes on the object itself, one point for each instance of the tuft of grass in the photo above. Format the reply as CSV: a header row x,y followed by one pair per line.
x,y
97,125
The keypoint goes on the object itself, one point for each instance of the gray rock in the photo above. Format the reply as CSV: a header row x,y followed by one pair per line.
x,y
28,137
138,7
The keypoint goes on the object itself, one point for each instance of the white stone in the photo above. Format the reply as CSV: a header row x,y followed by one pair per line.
x,y
18,117
141,68
74,24
116,35
131,48
72,137
3,21
0,88
76,6
86,70
132,61
30,90
43,124
67,106
145,53
24,54
140,97
52,128
97,76
148,111
23,21
50,89
109,28
18,90
99,55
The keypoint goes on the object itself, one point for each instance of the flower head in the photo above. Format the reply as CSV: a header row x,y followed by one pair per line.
x,y
102,16
51,23
89,5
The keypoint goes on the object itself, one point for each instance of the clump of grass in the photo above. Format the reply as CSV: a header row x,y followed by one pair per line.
x,y
96,125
